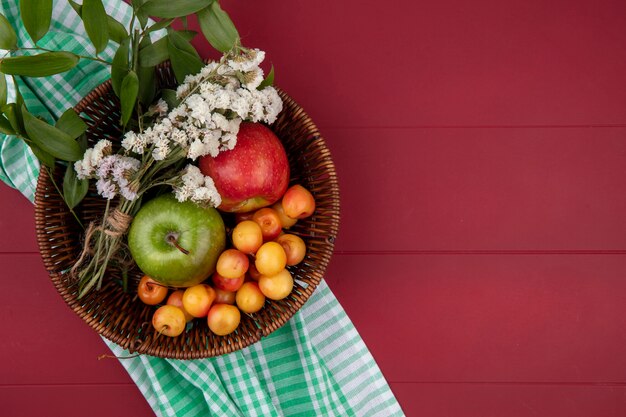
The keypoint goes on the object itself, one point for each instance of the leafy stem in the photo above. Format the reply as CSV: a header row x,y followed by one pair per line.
x,y
51,176
38,48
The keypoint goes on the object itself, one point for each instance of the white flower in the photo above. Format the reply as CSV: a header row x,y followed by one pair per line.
x,y
124,164
253,78
196,149
208,68
257,112
182,90
106,166
211,142
102,149
159,108
180,137
106,188
83,167
229,141
134,142
127,193
200,111
193,176
222,99
197,188
247,62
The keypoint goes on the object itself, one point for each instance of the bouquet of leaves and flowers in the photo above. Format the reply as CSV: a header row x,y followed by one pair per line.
x,y
164,131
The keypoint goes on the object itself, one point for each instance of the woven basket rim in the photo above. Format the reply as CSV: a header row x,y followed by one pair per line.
x,y
59,278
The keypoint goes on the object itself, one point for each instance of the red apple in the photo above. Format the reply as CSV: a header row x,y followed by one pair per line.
x,y
254,174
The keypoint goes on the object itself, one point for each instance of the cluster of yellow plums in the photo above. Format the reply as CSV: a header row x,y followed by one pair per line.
x,y
252,270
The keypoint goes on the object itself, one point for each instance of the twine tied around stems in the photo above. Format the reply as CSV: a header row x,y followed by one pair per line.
x,y
115,225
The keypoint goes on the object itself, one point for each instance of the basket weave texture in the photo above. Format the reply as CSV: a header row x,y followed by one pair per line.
x,y
121,317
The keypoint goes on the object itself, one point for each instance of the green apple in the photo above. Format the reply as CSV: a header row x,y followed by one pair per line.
x,y
176,244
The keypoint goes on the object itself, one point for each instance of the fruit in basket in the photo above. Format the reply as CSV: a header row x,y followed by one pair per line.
x,y
298,202
224,297
294,248
197,300
253,273
177,244
223,319
254,174
276,287
249,298
150,291
176,299
270,258
227,284
285,221
247,236
169,320
232,263
269,221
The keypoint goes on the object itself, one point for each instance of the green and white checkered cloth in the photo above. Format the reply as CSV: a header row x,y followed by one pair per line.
x,y
315,365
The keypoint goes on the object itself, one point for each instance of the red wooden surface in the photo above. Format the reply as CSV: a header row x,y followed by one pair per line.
x,y
481,149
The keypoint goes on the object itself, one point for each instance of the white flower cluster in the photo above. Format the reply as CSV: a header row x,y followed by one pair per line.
x,y
197,188
214,102
111,171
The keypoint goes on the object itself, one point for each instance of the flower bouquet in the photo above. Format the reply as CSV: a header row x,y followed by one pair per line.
x,y
147,215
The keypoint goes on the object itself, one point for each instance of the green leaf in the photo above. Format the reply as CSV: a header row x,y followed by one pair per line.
x,y
141,15
74,190
169,8
152,55
117,31
169,96
40,65
130,89
119,66
147,89
146,76
36,16
217,27
71,123
10,111
8,38
268,81
50,139
19,104
5,126
96,24
184,57
43,156
83,142
77,7
3,90
159,25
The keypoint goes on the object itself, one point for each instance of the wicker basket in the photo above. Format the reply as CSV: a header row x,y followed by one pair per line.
x,y
122,317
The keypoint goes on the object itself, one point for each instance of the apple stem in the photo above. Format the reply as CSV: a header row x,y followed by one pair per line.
x,y
171,239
